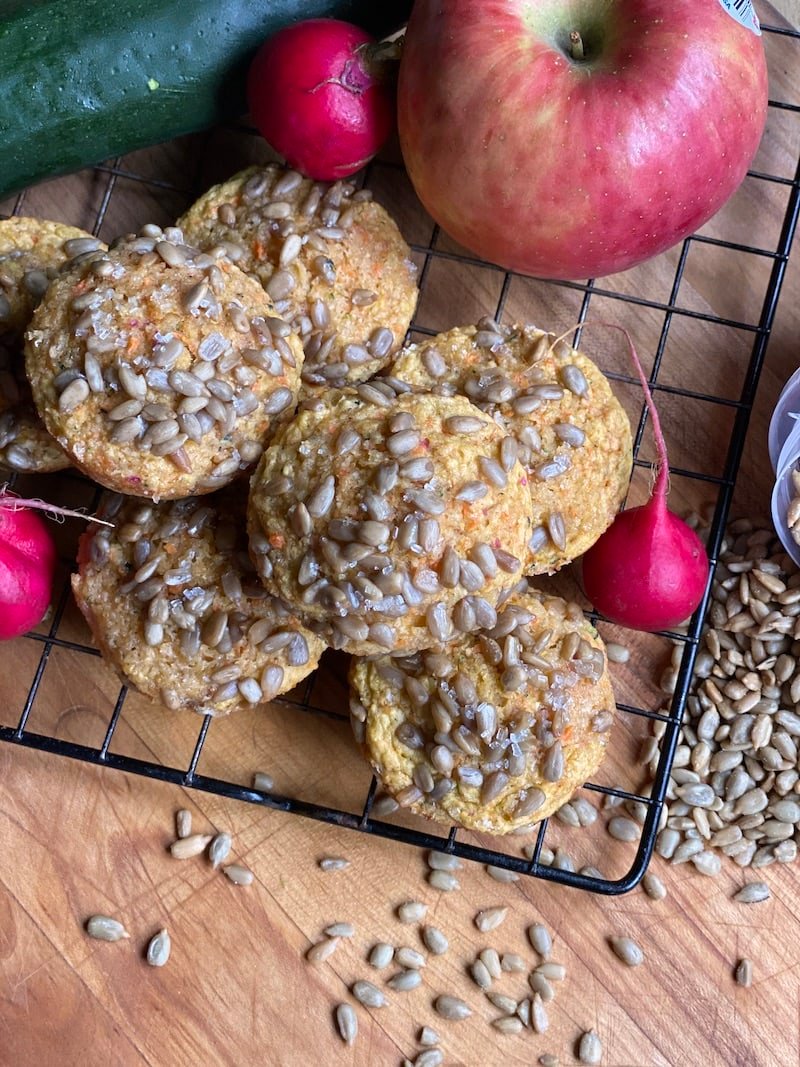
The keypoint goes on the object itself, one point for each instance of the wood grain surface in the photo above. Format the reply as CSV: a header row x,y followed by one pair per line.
x,y
78,840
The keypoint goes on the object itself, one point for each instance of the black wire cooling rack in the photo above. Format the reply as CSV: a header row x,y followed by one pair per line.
x,y
722,483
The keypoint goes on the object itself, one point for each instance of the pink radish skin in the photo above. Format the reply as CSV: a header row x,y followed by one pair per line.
x,y
27,561
27,565
649,570
320,94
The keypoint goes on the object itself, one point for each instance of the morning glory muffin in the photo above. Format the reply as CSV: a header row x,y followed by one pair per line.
x,y
493,732
572,434
332,259
32,251
174,605
161,370
390,522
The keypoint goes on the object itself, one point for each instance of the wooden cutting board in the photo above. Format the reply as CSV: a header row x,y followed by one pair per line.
x,y
237,990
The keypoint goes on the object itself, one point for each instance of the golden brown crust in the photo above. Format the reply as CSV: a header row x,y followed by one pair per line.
x,y
32,251
456,737
334,262
574,436
161,371
375,516
191,634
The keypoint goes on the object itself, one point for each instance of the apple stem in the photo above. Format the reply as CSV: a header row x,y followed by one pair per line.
x,y
576,45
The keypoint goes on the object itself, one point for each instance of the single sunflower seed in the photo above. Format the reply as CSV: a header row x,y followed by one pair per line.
x,y
158,949
368,994
626,949
219,848
590,1049
501,874
333,863
340,930
183,823
320,951
508,1024
435,940
452,1008
490,918
187,847
104,928
444,881
381,955
540,939
653,886
428,1037
744,973
752,893
346,1023
405,981
238,875
412,911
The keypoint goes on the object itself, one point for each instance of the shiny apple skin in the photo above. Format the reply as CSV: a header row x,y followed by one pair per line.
x,y
573,170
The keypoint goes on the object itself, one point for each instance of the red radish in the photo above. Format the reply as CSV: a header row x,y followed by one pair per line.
x,y
649,570
321,93
27,562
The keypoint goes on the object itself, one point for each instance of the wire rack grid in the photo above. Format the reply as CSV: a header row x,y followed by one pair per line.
x,y
722,483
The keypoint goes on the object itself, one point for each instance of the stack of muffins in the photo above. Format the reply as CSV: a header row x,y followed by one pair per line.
x,y
399,498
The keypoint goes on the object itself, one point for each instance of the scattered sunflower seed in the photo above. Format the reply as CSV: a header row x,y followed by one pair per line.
x,y
508,1024
626,949
452,1008
503,1003
744,973
491,961
511,962
333,863
368,994
104,928
405,980
346,1023
490,919
183,823
409,958
435,941
480,976
539,1018
381,955
500,874
431,1057
428,1037
752,893
238,875
653,886
158,949
590,1049
219,848
552,971
413,911
623,829
547,1059
187,847
340,930
540,939
263,782
444,881
441,861
320,951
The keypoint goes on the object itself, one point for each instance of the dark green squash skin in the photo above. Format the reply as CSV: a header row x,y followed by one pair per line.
x,y
84,80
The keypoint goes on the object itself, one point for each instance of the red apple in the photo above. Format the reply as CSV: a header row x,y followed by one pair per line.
x,y
576,138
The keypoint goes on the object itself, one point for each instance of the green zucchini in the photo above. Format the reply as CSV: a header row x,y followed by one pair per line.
x,y
84,80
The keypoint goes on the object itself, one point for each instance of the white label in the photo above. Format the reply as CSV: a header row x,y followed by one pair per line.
x,y
742,11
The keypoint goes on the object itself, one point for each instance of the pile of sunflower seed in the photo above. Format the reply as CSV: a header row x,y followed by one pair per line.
x,y
735,786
